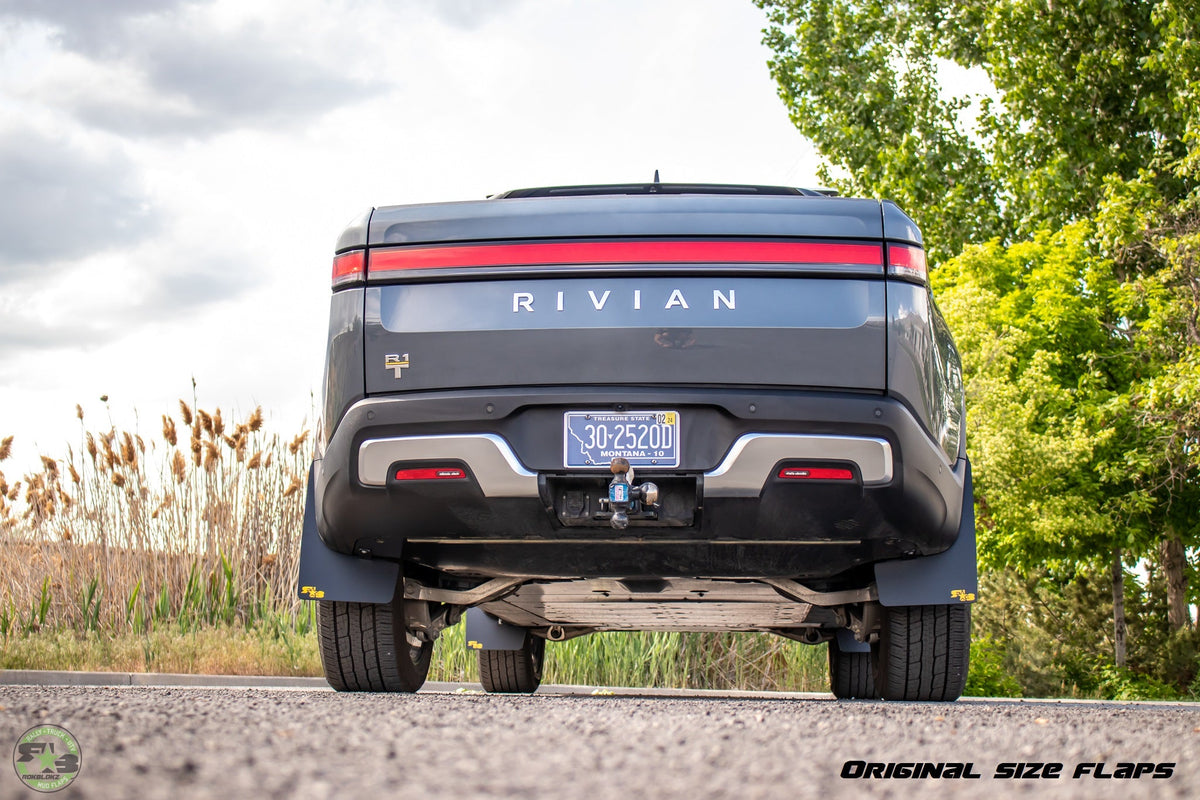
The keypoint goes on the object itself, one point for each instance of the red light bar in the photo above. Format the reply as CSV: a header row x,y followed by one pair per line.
x,y
658,252
349,267
430,474
907,261
816,474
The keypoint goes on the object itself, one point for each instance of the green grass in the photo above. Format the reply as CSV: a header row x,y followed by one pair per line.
x,y
216,650
276,647
666,660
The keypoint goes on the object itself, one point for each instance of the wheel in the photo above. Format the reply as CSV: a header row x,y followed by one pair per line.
x,y
513,671
850,674
923,652
366,648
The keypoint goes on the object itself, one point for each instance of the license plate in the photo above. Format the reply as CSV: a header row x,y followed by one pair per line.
x,y
644,438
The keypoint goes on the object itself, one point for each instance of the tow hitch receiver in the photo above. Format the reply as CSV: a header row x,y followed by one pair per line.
x,y
623,497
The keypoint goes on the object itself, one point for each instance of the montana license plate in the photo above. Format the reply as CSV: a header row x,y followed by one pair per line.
x,y
643,438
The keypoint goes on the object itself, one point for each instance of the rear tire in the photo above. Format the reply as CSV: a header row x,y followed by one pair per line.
x,y
365,647
513,671
851,676
923,652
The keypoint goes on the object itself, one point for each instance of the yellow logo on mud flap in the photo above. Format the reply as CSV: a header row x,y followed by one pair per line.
x,y
962,596
312,592
474,645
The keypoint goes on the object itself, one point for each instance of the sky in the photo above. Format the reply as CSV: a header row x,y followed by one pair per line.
x,y
174,173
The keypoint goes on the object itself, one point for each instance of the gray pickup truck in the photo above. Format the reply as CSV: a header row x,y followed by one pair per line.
x,y
655,406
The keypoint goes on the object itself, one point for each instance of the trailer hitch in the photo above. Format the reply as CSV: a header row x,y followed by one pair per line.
x,y
624,497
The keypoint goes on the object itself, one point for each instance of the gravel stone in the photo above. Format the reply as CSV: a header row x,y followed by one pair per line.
x,y
224,743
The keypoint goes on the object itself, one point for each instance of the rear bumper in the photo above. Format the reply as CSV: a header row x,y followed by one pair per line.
x,y
742,473
905,500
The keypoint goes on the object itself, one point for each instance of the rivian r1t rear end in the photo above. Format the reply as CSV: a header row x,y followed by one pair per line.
x,y
650,407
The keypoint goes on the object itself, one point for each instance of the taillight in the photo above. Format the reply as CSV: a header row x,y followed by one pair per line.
x,y
399,259
430,474
816,474
906,261
349,267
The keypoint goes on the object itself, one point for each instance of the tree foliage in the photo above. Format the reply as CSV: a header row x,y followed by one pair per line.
x,y
1082,387
1049,636
1061,209
859,80
1040,370
1083,92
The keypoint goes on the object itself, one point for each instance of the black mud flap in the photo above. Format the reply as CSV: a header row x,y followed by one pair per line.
x,y
949,577
485,632
328,575
846,642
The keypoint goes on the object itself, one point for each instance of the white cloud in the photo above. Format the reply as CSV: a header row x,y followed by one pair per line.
x,y
184,69
59,201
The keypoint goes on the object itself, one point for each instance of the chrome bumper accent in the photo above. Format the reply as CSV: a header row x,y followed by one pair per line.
x,y
747,467
741,474
491,460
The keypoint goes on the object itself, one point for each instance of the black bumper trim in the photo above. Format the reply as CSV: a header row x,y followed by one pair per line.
x,y
917,513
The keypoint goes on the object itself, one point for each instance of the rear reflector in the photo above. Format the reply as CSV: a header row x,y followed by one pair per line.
x,y
656,252
906,261
349,267
815,474
430,474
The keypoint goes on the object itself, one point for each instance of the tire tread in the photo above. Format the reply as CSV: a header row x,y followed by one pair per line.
x,y
851,676
924,653
512,671
360,651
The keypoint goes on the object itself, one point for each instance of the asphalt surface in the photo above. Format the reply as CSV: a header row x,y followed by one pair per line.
x,y
189,742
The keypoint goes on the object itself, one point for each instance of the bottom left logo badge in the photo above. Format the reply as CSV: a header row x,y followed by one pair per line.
x,y
47,758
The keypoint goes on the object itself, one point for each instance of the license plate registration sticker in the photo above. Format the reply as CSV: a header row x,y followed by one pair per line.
x,y
593,439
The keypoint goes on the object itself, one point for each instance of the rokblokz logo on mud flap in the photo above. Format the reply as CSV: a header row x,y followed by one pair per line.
x,y
47,758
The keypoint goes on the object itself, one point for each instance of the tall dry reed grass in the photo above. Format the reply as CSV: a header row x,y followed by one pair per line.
x,y
198,523
196,528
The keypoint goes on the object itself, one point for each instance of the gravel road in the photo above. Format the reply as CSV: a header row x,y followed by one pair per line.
x,y
226,743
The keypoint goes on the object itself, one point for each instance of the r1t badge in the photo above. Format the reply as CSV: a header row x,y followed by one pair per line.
x,y
396,363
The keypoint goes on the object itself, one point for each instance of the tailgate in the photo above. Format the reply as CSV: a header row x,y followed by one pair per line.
x,y
795,330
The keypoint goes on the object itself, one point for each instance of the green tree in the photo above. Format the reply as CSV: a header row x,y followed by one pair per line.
x,y
1063,208
1083,91
1157,248
859,80
1040,371
1084,445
